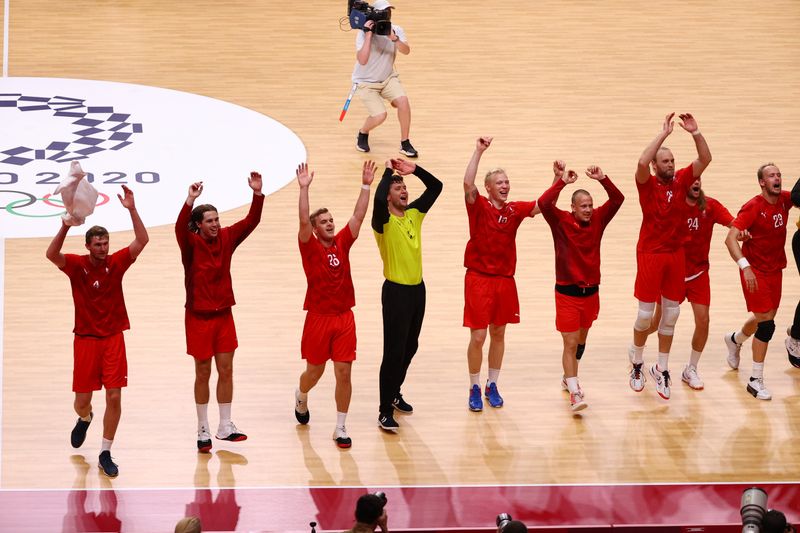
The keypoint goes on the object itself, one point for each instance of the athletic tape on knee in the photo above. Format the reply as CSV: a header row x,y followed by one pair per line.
x,y
765,330
644,316
670,311
579,351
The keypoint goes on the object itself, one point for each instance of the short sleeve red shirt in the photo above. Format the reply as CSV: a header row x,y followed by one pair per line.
x,y
766,223
492,247
664,213
701,227
97,293
330,285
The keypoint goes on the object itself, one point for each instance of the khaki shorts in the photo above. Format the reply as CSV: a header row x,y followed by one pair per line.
x,y
373,94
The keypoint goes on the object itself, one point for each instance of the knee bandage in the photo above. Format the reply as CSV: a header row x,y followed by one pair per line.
x,y
765,330
644,316
670,311
579,351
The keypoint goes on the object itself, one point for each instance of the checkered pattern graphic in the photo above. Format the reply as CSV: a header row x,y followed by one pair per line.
x,y
97,128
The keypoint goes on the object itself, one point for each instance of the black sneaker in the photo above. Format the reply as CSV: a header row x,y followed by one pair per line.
x,y
108,466
362,144
79,432
401,405
388,423
407,150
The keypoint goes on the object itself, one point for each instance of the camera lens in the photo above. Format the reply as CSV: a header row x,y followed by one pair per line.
x,y
754,506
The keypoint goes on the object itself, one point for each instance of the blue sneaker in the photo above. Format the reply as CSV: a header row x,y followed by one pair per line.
x,y
495,400
475,400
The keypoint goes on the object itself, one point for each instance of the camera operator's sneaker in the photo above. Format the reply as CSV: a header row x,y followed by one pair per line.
x,y
662,380
388,423
733,350
691,378
78,434
203,440
408,150
757,388
577,402
362,142
301,412
492,394
108,466
341,438
792,348
637,377
401,405
475,400
230,432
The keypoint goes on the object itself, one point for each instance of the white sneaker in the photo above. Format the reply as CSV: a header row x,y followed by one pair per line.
x,y
690,377
662,380
792,344
203,440
733,350
637,377
577,402
230,432
757,388
301,412
341,438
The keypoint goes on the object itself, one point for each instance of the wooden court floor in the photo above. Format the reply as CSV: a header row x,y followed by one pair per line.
x,y
580,81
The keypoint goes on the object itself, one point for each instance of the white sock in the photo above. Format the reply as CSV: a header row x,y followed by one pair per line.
x,y
475,379
224,414
302,396
663,361
572,385
87,418
740,337
340,417
494,374
758,370
694,358
202,415
106,445
638,354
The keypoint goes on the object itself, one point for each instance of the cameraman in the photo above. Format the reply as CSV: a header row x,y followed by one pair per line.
x,y
370,514
377,80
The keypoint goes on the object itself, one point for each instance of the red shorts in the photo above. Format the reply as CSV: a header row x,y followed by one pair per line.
x,y
489,300
768,294
576,312
660,275
99,362
208,334
698,290
329,337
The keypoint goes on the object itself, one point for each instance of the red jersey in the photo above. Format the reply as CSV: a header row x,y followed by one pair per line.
x,y
492,247
97,293
663,212
330,285
766,223
577,245
207,265
701,227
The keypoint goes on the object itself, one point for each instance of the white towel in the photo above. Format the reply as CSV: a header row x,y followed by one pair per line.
x,y
78,195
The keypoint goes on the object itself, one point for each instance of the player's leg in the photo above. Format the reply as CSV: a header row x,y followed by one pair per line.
x,y
417,297
793,333
343,393
226,430
497,345
477,338
765,328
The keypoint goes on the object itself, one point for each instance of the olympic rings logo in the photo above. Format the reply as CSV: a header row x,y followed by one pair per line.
x,y
30,199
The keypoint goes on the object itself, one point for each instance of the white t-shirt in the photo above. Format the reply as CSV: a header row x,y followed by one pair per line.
x,y
380,64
